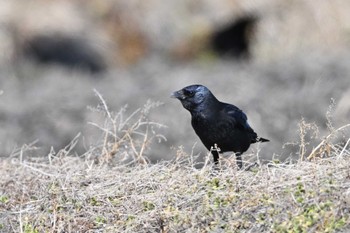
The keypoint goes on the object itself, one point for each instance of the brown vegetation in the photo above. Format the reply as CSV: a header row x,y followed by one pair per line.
x,y
99,191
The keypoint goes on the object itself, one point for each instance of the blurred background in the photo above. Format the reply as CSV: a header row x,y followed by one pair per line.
x,y
279,61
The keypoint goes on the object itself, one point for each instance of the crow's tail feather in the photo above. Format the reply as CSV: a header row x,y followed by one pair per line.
x,y
259,139
262,140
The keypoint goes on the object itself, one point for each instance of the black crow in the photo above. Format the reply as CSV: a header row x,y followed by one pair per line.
x,y
73,52
221,127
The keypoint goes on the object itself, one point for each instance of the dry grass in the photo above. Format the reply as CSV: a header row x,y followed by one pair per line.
x,y
100,192
130,136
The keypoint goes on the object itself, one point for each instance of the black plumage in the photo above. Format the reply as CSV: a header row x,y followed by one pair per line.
x,y
73,52
217,123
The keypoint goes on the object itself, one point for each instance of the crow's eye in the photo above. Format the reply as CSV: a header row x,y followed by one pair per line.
x,y
189,93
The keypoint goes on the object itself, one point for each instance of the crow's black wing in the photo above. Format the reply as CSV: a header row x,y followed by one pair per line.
x,y
240,120
236,116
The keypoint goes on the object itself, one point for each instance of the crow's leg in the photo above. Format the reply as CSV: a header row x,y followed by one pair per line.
x,y
239,159
215,154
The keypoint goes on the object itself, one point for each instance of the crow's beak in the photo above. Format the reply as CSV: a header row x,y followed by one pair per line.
x,y
178,95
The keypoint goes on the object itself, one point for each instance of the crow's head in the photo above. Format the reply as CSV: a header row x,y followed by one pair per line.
x,y
192,96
